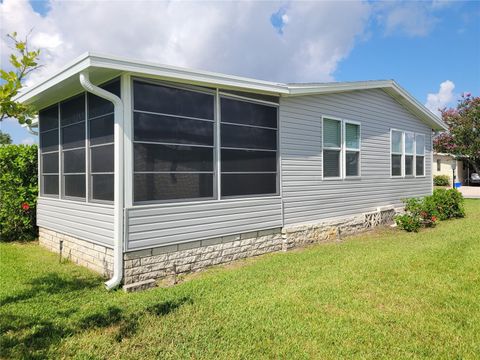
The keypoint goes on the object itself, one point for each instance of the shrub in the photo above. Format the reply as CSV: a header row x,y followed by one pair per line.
x,y
424,209
409,222
441,180
425,212
449,203
18,192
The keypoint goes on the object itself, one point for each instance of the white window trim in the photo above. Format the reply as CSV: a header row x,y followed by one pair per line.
x,y
402,162
343,150
409,154
424,155
415,135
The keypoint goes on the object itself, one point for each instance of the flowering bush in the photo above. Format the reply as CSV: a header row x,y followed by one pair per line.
x,y
18,192
409,222
429,210
463,135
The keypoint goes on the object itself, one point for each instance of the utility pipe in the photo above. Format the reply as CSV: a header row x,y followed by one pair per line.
x,y
118,178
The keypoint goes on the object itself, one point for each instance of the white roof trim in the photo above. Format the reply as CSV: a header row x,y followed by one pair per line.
x,y
143,68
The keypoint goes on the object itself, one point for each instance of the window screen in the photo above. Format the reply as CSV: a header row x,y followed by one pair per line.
x,y
101,140
72,121
63,152
332,147
49,150
248,135
173,143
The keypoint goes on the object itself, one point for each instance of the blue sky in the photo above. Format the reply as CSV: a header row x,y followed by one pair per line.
x,y
419,44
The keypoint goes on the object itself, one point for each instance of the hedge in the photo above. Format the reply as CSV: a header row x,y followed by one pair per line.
x,y
18,192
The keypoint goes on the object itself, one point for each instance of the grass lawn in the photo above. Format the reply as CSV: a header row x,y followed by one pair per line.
x,y
387,294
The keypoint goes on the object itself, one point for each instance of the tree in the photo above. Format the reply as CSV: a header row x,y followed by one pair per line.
x,y
5,139
24,61
463,135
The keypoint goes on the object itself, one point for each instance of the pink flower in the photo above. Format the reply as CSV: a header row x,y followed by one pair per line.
x,y
25,206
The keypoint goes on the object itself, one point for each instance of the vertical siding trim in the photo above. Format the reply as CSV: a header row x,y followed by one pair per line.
x,y
217,145
126,94
279,164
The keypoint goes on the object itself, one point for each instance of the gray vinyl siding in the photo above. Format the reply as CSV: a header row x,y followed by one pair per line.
x,y
150,226
90,222
307,198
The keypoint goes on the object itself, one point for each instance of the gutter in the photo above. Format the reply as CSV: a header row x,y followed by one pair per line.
x,y
116,279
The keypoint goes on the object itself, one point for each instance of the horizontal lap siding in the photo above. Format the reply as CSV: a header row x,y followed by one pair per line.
x,y
90,222
176,223
306,197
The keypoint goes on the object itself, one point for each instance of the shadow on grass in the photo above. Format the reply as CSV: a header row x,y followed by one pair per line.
x,y
51,283
32,337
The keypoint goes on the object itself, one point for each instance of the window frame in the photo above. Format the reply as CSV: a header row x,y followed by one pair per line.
x,y
402,153
133,141
405,154
61,183
218,124
343,149
62,151
41,174
424,154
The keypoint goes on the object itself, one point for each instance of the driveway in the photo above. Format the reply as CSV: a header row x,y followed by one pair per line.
x,y
470,192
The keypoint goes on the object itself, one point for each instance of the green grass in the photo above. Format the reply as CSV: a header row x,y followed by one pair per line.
x,y
387,294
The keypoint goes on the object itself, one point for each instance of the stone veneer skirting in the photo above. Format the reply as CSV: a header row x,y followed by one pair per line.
x,y
95,257
143,267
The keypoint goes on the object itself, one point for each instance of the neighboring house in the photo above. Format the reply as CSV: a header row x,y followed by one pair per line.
x,y
442,165
165,170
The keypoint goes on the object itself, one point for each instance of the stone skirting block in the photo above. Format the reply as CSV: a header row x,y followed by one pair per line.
x,y
143,267
93,256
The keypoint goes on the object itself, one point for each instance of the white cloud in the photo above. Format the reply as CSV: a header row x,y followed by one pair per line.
x,y
441,99
410,18
28,141
231,37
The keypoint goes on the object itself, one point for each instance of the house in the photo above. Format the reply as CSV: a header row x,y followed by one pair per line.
x,y
148,170
442,165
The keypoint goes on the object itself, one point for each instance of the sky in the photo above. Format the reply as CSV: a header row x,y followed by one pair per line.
x,y
431,48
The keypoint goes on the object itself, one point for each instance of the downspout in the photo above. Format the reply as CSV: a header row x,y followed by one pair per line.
x,y
118,178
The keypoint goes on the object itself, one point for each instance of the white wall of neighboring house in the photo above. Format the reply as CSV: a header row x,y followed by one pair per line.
x,y
442,165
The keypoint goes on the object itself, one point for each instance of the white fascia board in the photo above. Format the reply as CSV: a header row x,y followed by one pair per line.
x,y
328,88
430,118
189,75
73,68
439,124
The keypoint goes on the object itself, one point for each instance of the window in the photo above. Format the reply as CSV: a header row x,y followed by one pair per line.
x,y
48,120
409,153
63,139
352,149
333,145
439,165
248,148
72,126
420,154
396,152
173,143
